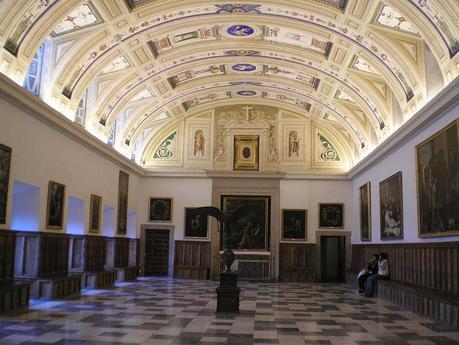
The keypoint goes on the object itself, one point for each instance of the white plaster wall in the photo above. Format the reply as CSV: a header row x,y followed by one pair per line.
x,y
41,153
403,159
307,194
185,192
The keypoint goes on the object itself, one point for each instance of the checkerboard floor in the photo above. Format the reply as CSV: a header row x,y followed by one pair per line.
x,y
173,312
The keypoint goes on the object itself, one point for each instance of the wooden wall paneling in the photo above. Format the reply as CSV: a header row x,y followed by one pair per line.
x,y
192,259
7,248
297,262
121,259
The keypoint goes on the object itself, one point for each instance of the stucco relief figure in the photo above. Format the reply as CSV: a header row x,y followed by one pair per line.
x,y
199,143
293,144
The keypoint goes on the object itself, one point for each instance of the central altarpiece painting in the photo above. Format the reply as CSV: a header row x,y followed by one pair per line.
x,y
250,226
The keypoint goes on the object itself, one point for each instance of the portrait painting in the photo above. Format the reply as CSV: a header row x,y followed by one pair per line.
x,y
331,216
365,211
437,161
55,209
294,225
160,209
95,212
249,225
5,165
391,207
123,193
195,224
246,152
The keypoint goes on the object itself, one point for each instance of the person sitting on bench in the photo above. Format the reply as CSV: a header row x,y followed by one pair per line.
x,y
371,269
383,273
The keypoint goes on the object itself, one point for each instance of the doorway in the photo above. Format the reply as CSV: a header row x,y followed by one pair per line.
x,y
156,252
333,254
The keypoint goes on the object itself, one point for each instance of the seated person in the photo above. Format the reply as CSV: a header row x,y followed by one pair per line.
x,y
365,273
383,273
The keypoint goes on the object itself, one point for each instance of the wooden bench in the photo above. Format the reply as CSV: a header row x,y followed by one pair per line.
x,y
14,296
56,288
126,274
437,305
424,277
99,280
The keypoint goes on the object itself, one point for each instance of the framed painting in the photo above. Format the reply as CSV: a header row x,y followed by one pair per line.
x,y
249,228
331,216
437,161
365,211
294,225
195,224
5,166
123,193
246,152
160,209
55,206
95,213
391,207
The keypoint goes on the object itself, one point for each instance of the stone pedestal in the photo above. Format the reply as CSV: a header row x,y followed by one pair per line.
x,y
228,293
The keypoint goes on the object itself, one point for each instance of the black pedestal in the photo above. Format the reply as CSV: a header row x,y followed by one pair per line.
x,y
228,293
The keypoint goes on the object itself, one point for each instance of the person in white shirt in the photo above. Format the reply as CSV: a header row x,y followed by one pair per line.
x,y
383,273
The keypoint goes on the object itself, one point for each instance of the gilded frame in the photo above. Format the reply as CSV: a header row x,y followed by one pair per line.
x,y
166,215
55,204
365,192
418,147
323,207
294,213
95,214
246,152
399,203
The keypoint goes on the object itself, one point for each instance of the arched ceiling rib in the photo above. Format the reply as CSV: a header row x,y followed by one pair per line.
x,y
353,59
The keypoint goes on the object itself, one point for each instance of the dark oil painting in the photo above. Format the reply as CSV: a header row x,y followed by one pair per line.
x,y
294,224
160,209
438,183
123,192
391,207
331,216
95,211
55,209
365,211
195,224
5,164
249,227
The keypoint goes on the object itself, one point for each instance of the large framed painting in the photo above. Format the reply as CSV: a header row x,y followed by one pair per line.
x,y
365,211
246,152
95,212
391,207
123,193
331,215
438,183
55,206
195,224
249,227
160,209
5,165
294,225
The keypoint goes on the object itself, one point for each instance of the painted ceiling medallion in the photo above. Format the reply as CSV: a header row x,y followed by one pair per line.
x,y
246,93
244,67
242,52
240,30
83,17
388,17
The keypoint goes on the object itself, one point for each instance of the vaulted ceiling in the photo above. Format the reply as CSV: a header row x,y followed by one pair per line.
x,y
128,70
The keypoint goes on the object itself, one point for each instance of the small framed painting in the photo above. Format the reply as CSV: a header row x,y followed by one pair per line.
x,y
331,216
294,226
55,209
160,209
391,207
5,164
365,211
95,212
246,152
195,224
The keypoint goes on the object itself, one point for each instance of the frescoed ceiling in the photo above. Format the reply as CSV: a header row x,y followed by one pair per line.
x,y
360,68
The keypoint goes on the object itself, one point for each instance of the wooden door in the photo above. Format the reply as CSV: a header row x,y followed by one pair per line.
x,y
156,252
332,258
